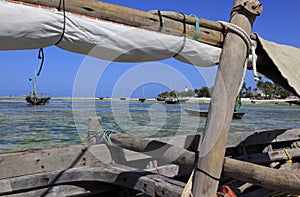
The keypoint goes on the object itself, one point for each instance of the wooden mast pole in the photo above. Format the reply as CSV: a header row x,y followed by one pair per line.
x,y
209,166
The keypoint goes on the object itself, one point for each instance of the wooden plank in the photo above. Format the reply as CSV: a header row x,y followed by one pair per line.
x,y
146,182
210,161
211,32
278,180
34,161
262,137
272,156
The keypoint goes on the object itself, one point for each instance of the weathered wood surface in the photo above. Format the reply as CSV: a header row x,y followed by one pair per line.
x,y
211,156
211,32
93,177
278,180
34,161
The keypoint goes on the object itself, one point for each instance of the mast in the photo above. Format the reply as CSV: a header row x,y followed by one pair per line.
x,y
34,85
209,166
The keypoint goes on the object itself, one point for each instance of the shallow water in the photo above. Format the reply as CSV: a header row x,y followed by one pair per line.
x,y
62,123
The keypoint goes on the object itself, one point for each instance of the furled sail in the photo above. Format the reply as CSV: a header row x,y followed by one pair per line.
x,y
30,26
25,26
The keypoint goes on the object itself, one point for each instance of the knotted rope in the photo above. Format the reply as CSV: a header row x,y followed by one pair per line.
x,y
250,48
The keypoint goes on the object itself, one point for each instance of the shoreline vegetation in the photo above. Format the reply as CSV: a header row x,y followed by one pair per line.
x,y
190,100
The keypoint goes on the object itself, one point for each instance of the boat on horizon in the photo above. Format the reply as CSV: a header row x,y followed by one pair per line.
x,y
175,100
204,113
160,98
142,98
293,102
36,98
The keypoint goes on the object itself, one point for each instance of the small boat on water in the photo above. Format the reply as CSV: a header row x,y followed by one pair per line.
x,y
160,98
175,100
293,102
142,98
202,113
36,98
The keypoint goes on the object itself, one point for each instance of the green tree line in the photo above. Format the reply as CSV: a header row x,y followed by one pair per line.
x,y
263,90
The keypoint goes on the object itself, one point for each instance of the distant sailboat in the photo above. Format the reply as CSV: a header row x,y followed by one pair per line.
x,y
142,98
101,97
34,97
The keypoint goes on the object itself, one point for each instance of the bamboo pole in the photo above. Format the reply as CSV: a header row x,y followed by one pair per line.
x,y
211,32
210,161
278,180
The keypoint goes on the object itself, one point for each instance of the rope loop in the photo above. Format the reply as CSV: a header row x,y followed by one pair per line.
x,y
41,55
102,136
250,48
161,23
64,22
197,26
184,35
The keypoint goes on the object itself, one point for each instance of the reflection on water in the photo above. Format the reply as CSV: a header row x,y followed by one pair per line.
x,y
23,126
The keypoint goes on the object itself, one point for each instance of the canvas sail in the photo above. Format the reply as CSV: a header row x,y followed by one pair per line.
x,y
280,63
30,27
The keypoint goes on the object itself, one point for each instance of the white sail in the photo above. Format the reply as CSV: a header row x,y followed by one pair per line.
x,y
28,27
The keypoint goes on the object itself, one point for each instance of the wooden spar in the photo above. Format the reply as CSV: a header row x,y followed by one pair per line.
x,y
210,161
94,126
278,180
211,32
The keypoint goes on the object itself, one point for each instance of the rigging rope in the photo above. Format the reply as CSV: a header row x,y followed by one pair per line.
x,y
103,136
250,47
184,35
41,55
64,22
197,26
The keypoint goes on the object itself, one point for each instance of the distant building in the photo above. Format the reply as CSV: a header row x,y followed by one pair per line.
x,y
186,89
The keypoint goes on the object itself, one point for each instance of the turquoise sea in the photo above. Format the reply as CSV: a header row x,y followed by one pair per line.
x,y
62,123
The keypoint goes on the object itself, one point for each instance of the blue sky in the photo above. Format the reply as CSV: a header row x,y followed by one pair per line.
x,y
279,22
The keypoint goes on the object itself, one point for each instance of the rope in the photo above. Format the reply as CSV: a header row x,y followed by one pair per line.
x,y
106,136
41,55
103,136
64,25
184,35
187,190
197,26
250,47
289,160
161,24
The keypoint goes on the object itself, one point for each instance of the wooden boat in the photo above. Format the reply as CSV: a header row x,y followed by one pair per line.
x,y
175,100
102,169
202,113
142,98
160,99
36,173
293,102
36,98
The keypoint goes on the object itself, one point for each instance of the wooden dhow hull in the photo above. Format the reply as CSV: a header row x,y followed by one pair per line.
x,y
106,170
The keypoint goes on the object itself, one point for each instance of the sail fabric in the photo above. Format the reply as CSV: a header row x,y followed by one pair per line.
x,y
31,27
285,59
